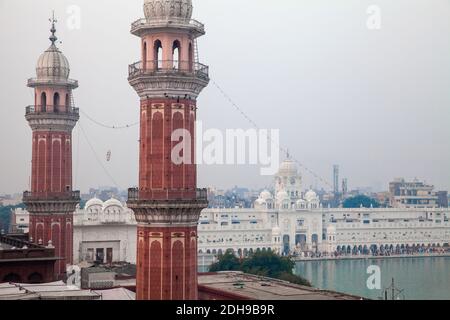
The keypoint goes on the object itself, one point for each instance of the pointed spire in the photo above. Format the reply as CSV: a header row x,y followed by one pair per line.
x,y
53,38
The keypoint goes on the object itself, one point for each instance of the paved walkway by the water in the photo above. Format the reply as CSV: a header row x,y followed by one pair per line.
x,y
364,257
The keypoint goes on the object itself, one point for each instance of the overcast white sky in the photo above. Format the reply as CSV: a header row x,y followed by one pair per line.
x,y
375,102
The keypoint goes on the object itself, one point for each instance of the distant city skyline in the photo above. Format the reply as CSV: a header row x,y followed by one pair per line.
x,y
374,102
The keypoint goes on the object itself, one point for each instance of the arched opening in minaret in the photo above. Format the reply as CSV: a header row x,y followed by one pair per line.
x,y
56,101
176,51
191,57
158,54
144,55
67,102
43,102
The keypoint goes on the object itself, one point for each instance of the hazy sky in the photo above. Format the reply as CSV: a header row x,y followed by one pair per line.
x,y
377,102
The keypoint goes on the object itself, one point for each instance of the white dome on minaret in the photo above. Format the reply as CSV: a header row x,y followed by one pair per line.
x,y
52,64
168,9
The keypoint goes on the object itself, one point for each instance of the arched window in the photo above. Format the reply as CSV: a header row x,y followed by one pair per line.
x,y
191,57
67,102
176,54
12,277
43,102
158,54
144,55
56,101
35,278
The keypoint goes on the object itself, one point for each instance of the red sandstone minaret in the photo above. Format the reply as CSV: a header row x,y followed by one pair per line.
x,y
167,204
51,201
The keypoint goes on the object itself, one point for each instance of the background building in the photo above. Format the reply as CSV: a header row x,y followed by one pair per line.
x,y
414,194
23,261
104,232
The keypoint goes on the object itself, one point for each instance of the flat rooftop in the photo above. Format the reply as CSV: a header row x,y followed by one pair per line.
x,y
60,291
261,288
4,246
47,291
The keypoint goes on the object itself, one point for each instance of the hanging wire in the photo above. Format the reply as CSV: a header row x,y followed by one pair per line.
x,y
118,127
253,123
97,157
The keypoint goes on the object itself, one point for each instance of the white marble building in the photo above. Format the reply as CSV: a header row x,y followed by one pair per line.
x,y
104,231
293,222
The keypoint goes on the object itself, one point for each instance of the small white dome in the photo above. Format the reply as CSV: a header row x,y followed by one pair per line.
x,y
52,64
282,195
311,196
265,195
93,202
112,202
168,9
260,202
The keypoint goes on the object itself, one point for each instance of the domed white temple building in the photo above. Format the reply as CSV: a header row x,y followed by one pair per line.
x,y
291,221
285,222
104,231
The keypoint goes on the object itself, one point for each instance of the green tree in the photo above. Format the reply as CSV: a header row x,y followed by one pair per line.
x,y
267,263
361,200
260,263
226,262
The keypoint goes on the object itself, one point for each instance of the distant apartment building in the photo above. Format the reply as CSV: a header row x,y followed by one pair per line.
x,y
415,194
442,199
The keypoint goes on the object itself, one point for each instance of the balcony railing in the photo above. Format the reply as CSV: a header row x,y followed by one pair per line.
x,y
175,67
68,195
144,23
53,80
46,109
133,194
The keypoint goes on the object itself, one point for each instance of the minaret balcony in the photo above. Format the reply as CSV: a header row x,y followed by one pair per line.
x,y
142,26
65,195
169,210
51,202
169,67
200,195
60,118
37,110
52,81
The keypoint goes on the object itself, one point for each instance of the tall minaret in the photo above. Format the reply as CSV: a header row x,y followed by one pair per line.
x,y
51,201
167,204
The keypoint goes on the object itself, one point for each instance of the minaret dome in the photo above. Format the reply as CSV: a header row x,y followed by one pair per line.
x,y
52,64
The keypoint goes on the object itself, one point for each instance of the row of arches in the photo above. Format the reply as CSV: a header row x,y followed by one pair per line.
x,y
32,278
388,249
301,241
55,101
159,59
239,252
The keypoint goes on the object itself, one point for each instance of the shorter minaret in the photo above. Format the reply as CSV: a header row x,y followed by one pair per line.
x,y
51,201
